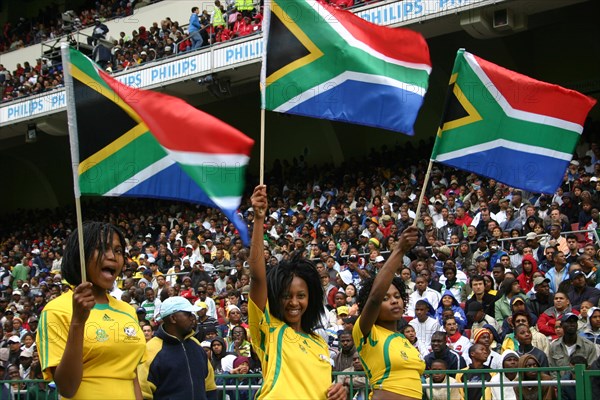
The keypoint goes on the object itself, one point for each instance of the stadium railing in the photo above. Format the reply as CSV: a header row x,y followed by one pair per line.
x,y
237,387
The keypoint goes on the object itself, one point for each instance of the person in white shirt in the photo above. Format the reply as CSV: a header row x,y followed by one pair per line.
x,y
425,325
422,292
510,359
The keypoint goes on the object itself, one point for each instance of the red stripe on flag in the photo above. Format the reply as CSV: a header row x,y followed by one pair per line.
x,y
397,43
179,126
528,94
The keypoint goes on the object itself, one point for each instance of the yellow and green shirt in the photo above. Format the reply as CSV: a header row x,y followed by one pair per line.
x,y
113,346
390,361
294,365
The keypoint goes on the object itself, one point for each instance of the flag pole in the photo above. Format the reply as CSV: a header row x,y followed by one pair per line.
x,y
80,237
262,147
74,144
423,191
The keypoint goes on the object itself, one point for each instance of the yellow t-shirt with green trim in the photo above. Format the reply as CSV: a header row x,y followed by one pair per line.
x,y
391,363
113,346
294,365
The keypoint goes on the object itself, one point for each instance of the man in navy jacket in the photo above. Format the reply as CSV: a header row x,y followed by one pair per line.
x,y
176,366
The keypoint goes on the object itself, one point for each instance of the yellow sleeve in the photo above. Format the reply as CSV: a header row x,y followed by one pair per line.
x,y
209,382
258,323
507,344
51,340
143,369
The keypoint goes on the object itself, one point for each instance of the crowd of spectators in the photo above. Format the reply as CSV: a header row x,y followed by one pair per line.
x,y
50,24
495,271
144,44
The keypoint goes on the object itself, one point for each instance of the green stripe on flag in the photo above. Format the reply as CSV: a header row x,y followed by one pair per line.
x,y
122,165
217,180
85,65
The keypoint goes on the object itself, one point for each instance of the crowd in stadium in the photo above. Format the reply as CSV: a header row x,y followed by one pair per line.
x,y
496,278
227,21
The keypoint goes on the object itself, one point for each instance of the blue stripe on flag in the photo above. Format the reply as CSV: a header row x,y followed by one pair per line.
x,y
527,171
365,103
173,183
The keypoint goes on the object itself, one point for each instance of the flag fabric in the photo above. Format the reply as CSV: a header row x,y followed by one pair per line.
x,y
327,63
509,127
140,143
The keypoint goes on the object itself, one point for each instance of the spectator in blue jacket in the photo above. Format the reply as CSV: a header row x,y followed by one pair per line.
x,y
194,29
176,365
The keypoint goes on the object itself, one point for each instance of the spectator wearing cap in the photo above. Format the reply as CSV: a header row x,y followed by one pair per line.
x,y
176,366
205,321
482,247
25,360
580,291
12,353
570,344
541,299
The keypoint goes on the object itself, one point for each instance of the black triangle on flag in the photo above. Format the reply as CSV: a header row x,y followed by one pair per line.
x,y
102,120
458,110
283,47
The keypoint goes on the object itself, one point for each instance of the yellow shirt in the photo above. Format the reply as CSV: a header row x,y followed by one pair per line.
x,y
294,365
390,361
113,346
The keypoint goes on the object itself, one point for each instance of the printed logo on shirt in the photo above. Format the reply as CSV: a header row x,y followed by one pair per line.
x,y
129,331
107,318
101,335
404,355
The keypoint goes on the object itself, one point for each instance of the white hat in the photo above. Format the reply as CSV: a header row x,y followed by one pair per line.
x,y
346,276
151,259
274,216
175,304
379,259
14,339
27,352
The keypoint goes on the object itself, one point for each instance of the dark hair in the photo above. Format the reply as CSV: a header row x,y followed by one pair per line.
x,y
506,286
474,347
279,280
577,359
367,285
242,328
440,361
477,278
521,313
96,236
